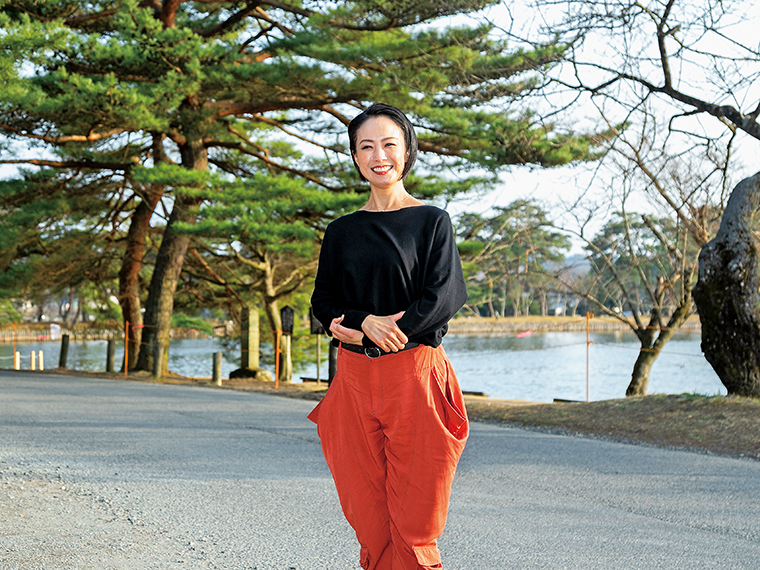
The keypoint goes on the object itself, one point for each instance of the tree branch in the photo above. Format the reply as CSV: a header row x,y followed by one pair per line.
x,y
90,137
231,21
169,12
71,164
262,157
216,277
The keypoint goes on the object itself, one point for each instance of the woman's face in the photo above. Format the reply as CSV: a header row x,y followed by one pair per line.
x,y
380,151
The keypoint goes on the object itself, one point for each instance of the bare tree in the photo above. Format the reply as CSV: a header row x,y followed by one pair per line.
x,y
644,265
694,63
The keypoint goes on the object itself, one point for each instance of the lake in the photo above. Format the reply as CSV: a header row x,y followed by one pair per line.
x,y
539,368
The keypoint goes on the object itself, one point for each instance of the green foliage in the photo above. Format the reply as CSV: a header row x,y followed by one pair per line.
x,y
183,321
50,231
505,258
8,313
239,116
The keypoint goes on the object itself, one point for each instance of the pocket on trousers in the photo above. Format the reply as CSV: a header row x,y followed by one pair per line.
x,y
364,557
428,556
314,414
449,405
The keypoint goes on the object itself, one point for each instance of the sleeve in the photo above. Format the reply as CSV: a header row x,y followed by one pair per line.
x,y
444,290
324,301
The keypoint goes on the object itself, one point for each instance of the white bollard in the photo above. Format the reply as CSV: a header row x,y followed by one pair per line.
x,y
33,363
216,374
41,360
17,361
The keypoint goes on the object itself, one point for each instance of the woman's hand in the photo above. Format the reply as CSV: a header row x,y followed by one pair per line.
x,y
345,334
384,332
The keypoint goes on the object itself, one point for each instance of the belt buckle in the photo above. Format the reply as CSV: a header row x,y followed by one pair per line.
x,y
373,352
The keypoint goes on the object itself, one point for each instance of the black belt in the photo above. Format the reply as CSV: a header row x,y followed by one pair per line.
x,y
374,352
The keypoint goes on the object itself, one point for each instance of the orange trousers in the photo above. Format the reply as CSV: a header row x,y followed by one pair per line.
x,y
392,431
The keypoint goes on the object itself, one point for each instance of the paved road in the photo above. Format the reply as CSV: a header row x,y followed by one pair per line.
x,y
127,475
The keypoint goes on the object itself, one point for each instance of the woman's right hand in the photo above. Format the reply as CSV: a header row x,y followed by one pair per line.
x,y
384,332
345,334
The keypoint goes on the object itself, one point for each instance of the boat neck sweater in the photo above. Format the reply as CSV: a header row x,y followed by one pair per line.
x,y
381,263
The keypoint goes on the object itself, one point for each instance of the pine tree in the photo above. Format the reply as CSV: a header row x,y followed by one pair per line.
x,y
105,87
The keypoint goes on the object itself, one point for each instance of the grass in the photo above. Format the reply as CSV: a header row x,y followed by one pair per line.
x,y
723,425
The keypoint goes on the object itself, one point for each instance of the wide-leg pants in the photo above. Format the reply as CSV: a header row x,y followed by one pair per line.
x,y
392,431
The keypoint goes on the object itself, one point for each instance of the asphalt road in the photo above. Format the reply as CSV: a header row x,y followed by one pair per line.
x,y
127,475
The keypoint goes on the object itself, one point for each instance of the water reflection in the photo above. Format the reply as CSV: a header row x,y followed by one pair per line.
x,y
545,366
539,368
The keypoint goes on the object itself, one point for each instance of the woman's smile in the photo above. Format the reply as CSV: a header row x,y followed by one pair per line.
x,y
380,152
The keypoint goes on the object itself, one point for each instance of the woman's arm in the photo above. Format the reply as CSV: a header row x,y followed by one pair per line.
x,y
444,291
323,300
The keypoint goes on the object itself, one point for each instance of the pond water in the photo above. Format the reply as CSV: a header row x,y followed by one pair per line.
x,y
552,365
539,368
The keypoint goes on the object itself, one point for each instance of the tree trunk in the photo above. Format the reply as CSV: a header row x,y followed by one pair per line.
x,y
489,300
641,369
129,274
504,298
727,297
171,256
654,340
543,302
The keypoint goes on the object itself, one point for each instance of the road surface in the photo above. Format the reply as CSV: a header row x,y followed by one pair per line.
x,y
127,475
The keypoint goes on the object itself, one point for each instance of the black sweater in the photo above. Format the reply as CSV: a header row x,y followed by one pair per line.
x,y
381,263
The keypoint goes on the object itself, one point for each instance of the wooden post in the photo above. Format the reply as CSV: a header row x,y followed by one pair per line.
x,y
588,343
249,339
217,369
110,348
64,351
316,328
277,351
319,354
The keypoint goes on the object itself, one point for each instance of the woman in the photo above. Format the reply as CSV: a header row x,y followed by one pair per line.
x,y
393,423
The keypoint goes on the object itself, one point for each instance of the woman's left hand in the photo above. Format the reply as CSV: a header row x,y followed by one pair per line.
x,y
345,334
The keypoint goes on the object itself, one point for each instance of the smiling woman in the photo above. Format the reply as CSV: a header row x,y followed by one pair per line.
x,y
384,149
393,423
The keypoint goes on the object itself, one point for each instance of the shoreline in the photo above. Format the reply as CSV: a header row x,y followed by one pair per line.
x,y
29,333
509,325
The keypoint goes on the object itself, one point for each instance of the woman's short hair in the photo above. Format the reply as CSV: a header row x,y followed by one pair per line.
x,y
398,117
